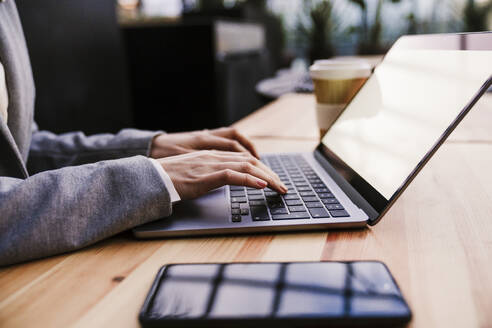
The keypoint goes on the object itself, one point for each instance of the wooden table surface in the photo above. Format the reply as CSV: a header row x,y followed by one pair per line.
x,y
437,241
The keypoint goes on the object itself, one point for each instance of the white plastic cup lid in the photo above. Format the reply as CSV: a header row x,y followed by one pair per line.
x,y
338,69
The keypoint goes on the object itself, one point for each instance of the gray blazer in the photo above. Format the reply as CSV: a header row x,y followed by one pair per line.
x,y
62,192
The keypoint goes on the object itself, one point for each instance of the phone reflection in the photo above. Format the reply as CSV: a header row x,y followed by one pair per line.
x,y
277,290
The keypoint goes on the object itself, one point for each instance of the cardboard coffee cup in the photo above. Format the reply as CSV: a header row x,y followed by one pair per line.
x,y
335,84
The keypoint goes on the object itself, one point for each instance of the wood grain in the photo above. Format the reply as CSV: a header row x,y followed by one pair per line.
x,y
475,127
437,240
292,117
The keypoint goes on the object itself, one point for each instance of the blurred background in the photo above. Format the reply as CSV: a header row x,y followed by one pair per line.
x,y
176,65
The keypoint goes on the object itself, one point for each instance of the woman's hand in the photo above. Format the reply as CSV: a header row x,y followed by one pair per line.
x,y
196,173
226,139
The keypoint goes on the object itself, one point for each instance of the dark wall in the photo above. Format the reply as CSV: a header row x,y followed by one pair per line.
x,y
237,76
173,76
179,83
78,64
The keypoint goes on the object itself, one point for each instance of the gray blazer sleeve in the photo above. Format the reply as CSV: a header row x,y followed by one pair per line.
x,y
61,210
51,151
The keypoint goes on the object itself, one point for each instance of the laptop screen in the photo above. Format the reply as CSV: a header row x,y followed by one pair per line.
x,y
402,111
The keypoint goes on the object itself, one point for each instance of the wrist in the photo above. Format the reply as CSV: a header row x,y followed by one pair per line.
x,y
173,194
154,146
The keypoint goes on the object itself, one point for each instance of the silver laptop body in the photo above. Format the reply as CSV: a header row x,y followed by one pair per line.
x,y
416,97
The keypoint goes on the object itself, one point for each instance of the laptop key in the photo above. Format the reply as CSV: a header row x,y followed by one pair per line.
x,y
255,197
297,208
236,187
319,213
275,211
334,207
293,202
255,192
321,190
291,196
276,205
307,193
326,195
339,213
244,211
257,203
259,213
310,199
292,216
238,193
238,199
235,211
236,218
304,188
330,201
234,205
313,204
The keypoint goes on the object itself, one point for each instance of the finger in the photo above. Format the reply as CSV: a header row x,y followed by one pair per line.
x,y
229,154
246,167
263,166
246,142
231,177
232,133
224,144
259,164
241,157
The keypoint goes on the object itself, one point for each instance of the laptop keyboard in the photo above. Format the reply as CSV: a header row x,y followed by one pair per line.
x,y
307,198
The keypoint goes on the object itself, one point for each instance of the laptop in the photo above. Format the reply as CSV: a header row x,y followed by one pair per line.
x,y
415,98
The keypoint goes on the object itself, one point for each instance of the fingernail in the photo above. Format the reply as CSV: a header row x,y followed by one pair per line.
x,y
261,183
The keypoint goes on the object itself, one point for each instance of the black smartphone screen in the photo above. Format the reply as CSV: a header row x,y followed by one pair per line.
x,y
287,294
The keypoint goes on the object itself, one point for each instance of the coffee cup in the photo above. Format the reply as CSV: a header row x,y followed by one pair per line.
x,y
336,81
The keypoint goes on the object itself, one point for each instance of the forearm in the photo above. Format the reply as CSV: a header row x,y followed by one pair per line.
x,y
62,210
50,151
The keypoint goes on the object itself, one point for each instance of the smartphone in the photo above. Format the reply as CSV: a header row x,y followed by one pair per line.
x,y
301,294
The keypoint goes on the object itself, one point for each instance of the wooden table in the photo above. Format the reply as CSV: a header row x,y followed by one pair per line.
x,y
437,240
